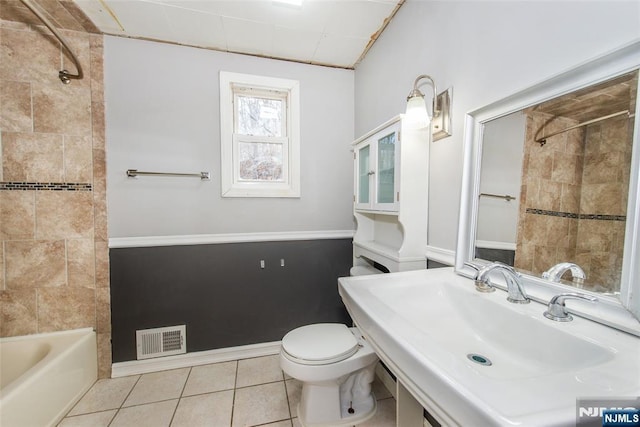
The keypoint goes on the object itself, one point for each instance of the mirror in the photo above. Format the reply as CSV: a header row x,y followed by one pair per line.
x,y
554,179
551,175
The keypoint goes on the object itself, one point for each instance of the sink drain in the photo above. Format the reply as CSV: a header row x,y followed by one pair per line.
x,y
481,360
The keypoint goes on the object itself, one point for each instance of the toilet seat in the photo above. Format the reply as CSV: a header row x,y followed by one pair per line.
x,y
320,344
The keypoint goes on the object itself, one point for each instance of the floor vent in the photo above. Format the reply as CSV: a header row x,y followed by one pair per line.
x,y
159,342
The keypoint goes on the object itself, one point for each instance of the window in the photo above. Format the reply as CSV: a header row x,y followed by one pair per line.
x,y
260,136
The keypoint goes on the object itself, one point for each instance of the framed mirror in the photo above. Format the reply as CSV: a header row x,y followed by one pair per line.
x,y
550,176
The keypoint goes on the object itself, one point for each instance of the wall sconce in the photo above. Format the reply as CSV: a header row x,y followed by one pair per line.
x,y
418,116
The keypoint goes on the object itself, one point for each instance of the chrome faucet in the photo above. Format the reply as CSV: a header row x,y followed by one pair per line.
x,y
555,273
514,284
558,311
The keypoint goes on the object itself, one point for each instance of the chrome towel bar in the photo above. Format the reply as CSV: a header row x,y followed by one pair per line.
x,y
498,196
133,173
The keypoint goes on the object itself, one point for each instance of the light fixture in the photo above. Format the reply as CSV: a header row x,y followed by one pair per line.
x,y
417,115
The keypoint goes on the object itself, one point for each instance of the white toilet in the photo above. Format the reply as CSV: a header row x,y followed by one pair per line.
x,y
336,367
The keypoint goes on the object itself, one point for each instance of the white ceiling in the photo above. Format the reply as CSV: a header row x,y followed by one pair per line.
x,y
324,32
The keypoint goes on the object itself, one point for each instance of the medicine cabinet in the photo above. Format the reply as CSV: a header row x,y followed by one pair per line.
x,y
391,170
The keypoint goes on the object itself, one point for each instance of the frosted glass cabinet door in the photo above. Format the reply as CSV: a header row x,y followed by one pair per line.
x,y
364,176
377,165
385,180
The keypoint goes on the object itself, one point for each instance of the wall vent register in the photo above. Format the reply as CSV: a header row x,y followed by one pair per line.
x,y
159,342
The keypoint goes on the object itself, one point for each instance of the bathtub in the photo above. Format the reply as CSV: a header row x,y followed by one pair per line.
x,y
42,376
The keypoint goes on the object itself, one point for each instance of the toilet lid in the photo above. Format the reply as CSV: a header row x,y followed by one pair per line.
x,y
320,344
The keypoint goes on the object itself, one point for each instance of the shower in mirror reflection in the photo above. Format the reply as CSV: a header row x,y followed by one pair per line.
x,y
572,191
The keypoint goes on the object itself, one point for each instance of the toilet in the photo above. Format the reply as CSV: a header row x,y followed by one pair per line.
x,y
336,367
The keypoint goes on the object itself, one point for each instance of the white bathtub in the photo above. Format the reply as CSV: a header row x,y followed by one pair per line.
x,y
42,376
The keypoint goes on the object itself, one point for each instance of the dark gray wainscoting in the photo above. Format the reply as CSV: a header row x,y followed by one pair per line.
x,y
222,295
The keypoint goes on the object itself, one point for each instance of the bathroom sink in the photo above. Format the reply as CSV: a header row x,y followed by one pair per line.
x,y
473,358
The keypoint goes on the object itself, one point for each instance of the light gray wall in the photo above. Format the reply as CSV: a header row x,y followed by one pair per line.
x,y
162,114
501,173
485,50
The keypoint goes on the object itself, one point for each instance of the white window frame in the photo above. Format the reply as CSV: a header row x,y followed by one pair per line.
x,y
231,184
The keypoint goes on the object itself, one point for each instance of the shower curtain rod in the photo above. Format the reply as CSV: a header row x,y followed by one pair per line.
x,y
64,75
543,139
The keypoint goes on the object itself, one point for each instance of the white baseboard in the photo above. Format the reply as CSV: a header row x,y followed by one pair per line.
x,y
136,367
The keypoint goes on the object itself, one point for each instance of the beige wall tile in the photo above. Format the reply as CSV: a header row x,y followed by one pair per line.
x,y
64,214
79,43
29,56
81,268
103,311
2,287
104,355
601,168
97,69
98,123
614,135
524,256
14,15
102,264
31,264
595,236
60,15
18,312
65,308
32,157
544,258
78,159
17,215
566,168
79,16
557,231
603,199
570,199
15,106
549,196
64,109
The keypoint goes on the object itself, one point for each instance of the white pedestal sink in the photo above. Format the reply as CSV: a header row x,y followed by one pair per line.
x,y
424,324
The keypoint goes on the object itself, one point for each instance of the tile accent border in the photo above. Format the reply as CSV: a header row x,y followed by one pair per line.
x,y
45,186
577,216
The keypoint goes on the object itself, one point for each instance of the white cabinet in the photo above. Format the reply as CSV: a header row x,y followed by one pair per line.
x,y
391,170
376,166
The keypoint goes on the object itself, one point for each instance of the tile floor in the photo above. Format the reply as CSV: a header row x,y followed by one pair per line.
x,y
242,393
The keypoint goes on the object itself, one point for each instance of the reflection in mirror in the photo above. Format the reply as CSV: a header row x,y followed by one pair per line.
x,y
554,182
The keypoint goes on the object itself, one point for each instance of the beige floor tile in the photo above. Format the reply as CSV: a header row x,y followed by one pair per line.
x,y
294,391
158,386
259,370
213,409
385,415
285,423
105,394
210,378
97,419
156,414
296,422
260,404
